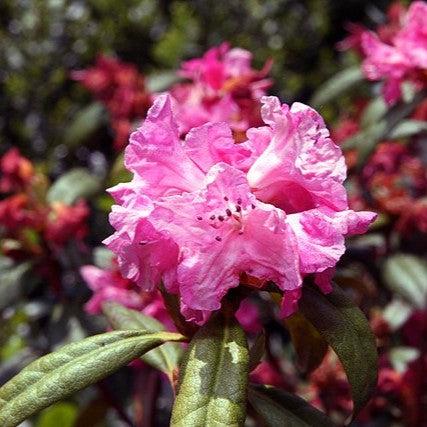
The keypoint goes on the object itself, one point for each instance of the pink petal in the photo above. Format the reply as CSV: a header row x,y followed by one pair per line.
x,y
213,143
156,156
301,167
320,235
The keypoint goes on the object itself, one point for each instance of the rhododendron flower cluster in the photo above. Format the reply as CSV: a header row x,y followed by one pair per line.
x,y
121,88
403,57
30,226
201,212
222,87
396,179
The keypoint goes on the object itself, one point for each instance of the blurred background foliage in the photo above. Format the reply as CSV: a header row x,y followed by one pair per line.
x,y
42,40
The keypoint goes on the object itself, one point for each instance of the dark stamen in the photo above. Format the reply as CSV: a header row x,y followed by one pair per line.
x,y
212,217
238,208
239,201
199,218
220,217
228,212
142,243
226,198
218,238
252,206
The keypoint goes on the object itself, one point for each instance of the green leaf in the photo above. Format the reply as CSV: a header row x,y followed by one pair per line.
x,y
374,111
347,331
61,414
84,123
72,368
166,357
75,184
256,352
279,408
172,305
400,357
335,86
408,128
213,377
161,81
309,345
366,140
103,257
406,275
12,281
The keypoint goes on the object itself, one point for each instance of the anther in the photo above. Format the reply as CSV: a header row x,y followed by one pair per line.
x,y
252,206
238,208
228,212
239,201
212,217
220,218
217,238
199,218
226,198
142,243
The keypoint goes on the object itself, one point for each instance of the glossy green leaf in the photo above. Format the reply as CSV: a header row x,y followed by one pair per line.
x,y
73,185
406,275
336,85
166,357
373,112
279,408
407,128
12,281
213,377
84,123
72,368
309,345
347,331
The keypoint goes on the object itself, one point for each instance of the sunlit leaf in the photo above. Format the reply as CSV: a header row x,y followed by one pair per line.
x,y
70,369
161,80
407,128
75,184
347,331
280,408
406,275
336,85
165,357
213,377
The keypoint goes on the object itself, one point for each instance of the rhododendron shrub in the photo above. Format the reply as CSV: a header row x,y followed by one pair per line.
x,y
204,225
240,247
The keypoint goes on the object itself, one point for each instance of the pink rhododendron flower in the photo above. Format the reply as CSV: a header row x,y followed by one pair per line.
x,y
201,212
64,223
248,316
403,58
108,285
223,87
121,88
